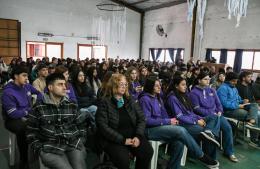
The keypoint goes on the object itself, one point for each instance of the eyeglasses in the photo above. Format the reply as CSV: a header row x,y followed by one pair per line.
x,y
123,85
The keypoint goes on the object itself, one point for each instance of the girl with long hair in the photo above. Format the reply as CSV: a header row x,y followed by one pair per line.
x,y
201,128
161,127
135,87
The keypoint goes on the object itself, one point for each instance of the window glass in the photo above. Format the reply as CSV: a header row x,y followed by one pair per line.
x,y
53,50
85,52
216,55
247,60
35,49
161,57
257,61
99,52
167,56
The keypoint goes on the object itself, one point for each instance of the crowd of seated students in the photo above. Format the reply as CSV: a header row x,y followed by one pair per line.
x,y
128,102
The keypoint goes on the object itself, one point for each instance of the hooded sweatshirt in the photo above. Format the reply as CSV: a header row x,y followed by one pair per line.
x,y
17,100
205,101
154,110
184,115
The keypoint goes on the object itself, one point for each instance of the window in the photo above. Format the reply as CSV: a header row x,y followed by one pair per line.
x,y
54,50
257,61
247,60
250,58
99,52
84,51
91,51
216,55
165,56
35,49
38,50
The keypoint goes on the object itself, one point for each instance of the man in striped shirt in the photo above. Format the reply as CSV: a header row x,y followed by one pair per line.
x,y
55,128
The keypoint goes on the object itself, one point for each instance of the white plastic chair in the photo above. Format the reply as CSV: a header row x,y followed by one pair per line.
x,y
156,145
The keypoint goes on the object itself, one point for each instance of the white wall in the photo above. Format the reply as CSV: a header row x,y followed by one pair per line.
x,y
67,17
174,21
220,32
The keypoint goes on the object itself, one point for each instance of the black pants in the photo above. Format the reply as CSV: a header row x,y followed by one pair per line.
x,y
119,154
18,127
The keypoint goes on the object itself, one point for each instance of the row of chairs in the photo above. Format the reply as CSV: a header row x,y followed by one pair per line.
x,y
155,145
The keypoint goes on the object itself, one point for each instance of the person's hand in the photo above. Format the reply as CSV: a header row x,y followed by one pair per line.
x,y
219,113
241,106
138,89
174,121
128,142
246,101
201,123
136,142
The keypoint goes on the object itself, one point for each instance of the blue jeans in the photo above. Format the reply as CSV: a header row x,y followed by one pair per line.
x,y
69,160
226,129
250,112
212,124
89,114
177,136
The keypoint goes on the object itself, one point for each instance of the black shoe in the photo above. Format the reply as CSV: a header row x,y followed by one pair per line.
x,y
209,162
209,136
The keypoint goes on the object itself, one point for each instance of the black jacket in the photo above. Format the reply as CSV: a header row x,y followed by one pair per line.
x,y
246,92
107,120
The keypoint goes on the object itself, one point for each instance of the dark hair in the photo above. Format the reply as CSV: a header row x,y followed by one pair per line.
x,y
220,73
53,77
61,69
200,76
41,66
244,74
149,84
89,73
182,97
229,67
231,76
18,70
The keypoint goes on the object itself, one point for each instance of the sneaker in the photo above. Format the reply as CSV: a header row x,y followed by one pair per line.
x,y
209,162
209,136
233,158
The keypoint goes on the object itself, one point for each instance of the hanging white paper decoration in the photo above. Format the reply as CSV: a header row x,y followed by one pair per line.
x,y
237,8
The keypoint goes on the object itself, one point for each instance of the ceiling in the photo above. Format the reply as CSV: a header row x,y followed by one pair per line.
x,y
147,5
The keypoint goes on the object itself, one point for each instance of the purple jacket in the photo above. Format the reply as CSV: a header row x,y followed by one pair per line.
x,y
132,90
154,110
205,101
17,101
181,113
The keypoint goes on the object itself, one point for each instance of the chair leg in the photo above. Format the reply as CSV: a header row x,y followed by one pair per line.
x,y
12,145
155,154
184,156
221,140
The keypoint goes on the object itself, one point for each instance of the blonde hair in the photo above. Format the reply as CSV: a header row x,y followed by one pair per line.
x,y
113,85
